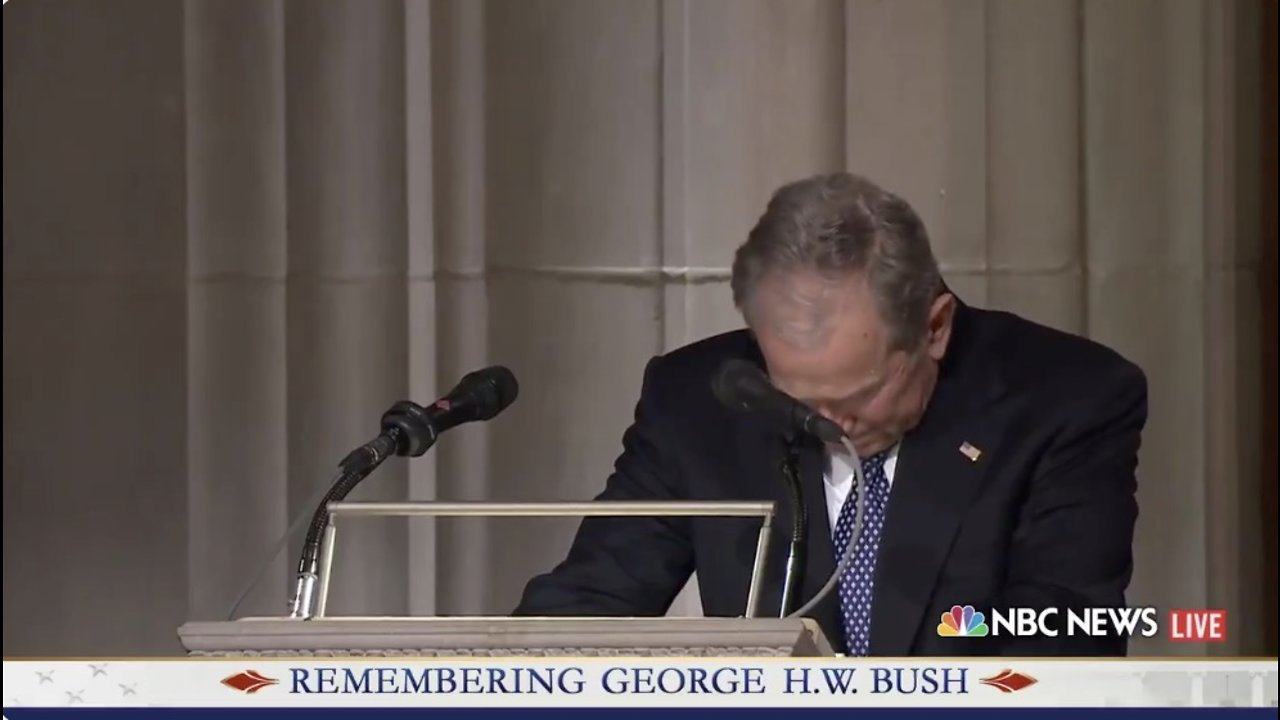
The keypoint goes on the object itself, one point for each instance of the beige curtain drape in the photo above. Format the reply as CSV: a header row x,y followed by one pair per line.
x,y
235,231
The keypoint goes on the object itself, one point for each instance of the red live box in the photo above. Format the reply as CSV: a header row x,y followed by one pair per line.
x,y
1197,625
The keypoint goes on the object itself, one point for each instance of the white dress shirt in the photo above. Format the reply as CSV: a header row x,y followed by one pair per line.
x,y
837,480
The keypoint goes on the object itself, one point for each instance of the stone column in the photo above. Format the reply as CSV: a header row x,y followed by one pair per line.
x,y
237,419
347,346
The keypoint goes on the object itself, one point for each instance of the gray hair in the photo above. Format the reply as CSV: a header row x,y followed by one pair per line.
x,y
840,224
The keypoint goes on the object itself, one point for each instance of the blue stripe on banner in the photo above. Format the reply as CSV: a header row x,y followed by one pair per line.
x,y
863,713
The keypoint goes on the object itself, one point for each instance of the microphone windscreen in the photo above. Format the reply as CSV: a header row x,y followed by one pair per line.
x,y
738,382
496,388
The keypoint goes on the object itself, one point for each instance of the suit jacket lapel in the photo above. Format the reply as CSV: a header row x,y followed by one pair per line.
x,y
935,482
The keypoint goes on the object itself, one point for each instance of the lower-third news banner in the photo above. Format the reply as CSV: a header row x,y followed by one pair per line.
x,y
238,686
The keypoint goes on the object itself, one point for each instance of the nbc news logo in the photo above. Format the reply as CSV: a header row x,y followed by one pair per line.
x,y
963,622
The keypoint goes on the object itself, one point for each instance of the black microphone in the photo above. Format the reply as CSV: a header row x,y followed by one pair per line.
x,y
741,385
409,429
478,396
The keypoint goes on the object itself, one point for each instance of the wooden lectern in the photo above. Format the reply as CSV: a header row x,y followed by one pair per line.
x,y
318,635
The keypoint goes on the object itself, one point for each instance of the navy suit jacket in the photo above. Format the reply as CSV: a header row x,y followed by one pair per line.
x,y
1043,518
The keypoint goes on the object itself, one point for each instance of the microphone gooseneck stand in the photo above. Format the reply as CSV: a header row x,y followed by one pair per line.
x,y
295,525
860,486
797,550
309,564
743,386
405,430
354,468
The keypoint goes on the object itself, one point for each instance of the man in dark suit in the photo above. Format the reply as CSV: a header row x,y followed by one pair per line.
x,y
999,455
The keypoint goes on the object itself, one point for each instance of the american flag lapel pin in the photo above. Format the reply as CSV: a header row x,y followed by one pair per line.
x,y
970,452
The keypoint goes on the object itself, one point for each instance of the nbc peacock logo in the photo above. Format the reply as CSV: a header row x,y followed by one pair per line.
x,y
963,622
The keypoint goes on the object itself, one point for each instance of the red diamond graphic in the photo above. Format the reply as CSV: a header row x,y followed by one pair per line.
x,y
249,681
1008,681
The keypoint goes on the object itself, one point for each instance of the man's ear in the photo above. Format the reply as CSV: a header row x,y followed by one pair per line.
x,y
941,316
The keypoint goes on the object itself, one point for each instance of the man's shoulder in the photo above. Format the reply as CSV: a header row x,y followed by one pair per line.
x,y
1034,355
687,370
710,352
